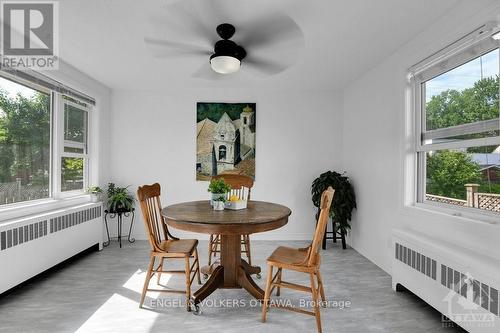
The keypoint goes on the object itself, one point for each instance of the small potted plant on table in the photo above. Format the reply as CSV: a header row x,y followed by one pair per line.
x,y
219,203
219,189
95,193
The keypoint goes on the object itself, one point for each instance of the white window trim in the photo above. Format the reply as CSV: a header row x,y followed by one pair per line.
x,y
474,44
60,143
57,199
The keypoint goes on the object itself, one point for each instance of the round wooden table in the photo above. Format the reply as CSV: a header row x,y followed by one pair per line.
x,y
233,271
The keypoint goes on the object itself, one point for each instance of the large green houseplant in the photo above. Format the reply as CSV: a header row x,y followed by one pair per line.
x,y
344,200
119,199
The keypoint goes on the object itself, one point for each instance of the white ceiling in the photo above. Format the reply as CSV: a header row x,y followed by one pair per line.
x,y
341,40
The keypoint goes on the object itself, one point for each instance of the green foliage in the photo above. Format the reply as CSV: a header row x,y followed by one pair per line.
x,y
214,111
486,187
449,171
452,107
94,190
119,199
344,200
218,186
24,137
72,168
221,199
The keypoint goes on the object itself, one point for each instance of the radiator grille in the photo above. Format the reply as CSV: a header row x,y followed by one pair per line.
x,y
29,232
482,294
416,260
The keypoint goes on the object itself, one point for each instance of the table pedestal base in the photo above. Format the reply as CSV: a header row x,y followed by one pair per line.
x,y
232,272
216,281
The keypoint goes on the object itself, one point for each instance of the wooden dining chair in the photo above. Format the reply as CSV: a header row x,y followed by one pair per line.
x,y
241,186
305,260
164,245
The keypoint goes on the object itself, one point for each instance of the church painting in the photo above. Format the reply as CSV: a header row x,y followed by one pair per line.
x,y
225,139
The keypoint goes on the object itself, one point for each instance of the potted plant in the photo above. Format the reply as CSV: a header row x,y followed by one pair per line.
x,y
219,203
119,199
218,188
95,193
344,200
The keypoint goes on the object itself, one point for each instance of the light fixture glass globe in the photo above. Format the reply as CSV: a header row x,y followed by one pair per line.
x,y
225,64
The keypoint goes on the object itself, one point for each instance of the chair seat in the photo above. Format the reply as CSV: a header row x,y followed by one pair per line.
x,y
181,246
287,256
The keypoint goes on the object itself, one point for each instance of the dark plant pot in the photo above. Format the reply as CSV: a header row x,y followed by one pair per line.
x,y
120,210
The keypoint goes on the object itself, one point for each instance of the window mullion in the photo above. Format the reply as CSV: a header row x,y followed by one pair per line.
x,y
491,141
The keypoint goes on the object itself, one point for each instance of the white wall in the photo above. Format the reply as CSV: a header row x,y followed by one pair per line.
x,y
153,139
374,143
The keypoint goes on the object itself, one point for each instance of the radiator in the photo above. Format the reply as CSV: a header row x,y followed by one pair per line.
x,y
461,284
31,245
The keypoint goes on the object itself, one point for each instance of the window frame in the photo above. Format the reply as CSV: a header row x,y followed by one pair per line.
x,y
427,70
56,198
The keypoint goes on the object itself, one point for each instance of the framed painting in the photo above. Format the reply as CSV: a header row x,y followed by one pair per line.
x,y
225,139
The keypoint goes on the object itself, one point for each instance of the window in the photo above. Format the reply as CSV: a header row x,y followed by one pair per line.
x,y
74,155
458,132
222,153
43,142
25,154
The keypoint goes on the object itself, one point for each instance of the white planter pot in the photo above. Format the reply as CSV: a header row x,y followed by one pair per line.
x,y
219,205
216,196
94,197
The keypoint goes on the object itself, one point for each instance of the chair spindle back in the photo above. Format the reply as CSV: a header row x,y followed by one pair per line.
x,y
149,198
319,233
241,185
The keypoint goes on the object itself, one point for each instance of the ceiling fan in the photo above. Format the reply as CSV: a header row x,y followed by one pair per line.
x,y
227,55
264,44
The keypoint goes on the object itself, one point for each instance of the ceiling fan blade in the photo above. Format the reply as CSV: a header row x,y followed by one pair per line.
x,y
166,47
191,18
187,14
206,73
269,30
263,67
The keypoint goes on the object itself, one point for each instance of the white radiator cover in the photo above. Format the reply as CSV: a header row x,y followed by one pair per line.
x,y
31,245
461,284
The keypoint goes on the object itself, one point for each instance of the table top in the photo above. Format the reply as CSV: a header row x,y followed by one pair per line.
x,y
198,216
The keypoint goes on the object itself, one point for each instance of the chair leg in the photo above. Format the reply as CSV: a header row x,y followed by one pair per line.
x,y
249,254
216,245
315,302
160,268
197,258
188,283
320,285
146,281
267,292
210,245
278,288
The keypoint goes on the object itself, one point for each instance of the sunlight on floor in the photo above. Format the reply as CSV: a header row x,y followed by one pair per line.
x,y
119,314
136,283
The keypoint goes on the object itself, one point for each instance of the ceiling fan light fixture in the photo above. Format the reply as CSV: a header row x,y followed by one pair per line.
x,y
225,64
